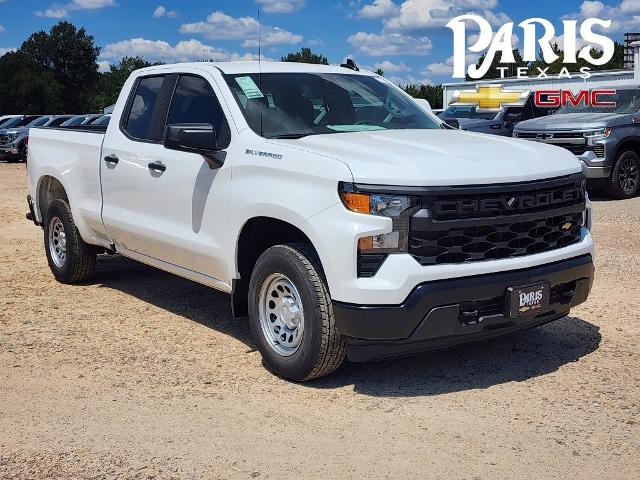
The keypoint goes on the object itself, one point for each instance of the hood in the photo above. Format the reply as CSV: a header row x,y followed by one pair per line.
x,y
573,121
18,130
439,157
474,123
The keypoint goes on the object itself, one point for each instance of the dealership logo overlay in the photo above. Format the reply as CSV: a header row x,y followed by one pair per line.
x,y
502,43
489,98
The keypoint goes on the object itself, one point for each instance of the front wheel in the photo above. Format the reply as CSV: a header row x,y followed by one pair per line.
x,y
291,315
71,260
625,178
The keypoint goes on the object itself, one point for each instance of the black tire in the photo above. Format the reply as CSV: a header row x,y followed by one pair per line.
x,y
321,349
80,258
625,177
23,154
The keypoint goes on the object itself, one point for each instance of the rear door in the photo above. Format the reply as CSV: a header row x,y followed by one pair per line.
x,y
126,152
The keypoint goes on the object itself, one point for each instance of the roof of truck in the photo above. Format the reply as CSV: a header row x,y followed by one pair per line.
x,y
264,67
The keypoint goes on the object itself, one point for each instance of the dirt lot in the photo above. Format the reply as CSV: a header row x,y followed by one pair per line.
x,y
140,374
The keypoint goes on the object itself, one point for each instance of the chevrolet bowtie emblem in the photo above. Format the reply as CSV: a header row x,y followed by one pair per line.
x,y
566,226
490,98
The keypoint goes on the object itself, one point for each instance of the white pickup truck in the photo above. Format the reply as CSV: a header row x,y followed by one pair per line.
x,y
343,218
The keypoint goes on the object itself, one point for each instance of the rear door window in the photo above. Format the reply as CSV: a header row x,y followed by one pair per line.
x,y
143,108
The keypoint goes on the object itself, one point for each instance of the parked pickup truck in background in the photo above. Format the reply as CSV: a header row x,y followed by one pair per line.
x,y
606,139
342,217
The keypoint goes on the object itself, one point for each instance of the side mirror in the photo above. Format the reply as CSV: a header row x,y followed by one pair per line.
x,y
200,138
452,122
512,117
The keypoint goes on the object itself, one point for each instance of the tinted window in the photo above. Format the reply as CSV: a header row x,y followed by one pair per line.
x,y
56,122
104,120
26,120
139,121
195,102
72,122
39,122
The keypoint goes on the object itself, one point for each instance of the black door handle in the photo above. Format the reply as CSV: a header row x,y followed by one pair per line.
x,y
112,159
157,166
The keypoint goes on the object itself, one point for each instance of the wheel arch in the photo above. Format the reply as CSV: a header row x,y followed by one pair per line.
x,y
257,235
49,189
628,143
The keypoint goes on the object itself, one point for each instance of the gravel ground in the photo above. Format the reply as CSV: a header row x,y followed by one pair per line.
x,y
141,374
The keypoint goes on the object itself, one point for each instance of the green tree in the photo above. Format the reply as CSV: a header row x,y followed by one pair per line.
x,y
380,72
70,56
32,89
305,55
111,82
431,93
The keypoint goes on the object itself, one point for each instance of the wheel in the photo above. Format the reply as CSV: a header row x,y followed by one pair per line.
x,y
625,178
23,154
291,315
71,260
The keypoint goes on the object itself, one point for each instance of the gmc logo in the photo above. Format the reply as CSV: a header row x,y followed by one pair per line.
x,y
507,203
562,98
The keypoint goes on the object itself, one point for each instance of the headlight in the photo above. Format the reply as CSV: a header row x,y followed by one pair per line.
x,y
600,132
397,207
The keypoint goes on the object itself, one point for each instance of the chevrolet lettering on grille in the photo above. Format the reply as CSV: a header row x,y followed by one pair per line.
x,y
507,203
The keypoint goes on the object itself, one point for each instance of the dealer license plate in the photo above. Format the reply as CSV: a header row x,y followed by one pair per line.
x,y
528,300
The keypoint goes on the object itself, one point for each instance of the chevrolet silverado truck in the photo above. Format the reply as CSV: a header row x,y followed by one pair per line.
x,y
606,139
342,217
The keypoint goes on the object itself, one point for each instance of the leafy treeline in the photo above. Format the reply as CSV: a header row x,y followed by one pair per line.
x,y
57,72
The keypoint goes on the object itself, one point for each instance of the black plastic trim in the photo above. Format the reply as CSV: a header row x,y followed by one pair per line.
x,y
431,310
468,189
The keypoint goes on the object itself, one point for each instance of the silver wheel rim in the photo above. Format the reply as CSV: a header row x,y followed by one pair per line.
x,y
281,314
57,242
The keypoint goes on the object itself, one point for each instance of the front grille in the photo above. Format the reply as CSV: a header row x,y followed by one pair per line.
x,y
493,242
575,149
4,139
491,223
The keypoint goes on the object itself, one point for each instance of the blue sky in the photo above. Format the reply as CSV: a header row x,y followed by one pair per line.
x,y
406,38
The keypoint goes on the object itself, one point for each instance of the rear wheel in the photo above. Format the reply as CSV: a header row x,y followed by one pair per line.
x,y
71,260
625,178
291,314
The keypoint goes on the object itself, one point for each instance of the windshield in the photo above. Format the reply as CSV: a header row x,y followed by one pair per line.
x,y
466,112
72,122
39,122
5,122
19,121
293,105
627,101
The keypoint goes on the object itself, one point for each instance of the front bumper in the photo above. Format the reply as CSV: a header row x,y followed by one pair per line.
x,y
9,150
443,313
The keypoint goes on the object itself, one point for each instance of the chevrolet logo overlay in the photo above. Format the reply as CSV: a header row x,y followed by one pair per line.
x,y
490,98
566,226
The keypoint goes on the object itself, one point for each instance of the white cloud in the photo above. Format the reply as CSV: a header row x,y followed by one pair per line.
x,y
6,50
103,66
1,29
409,79
220,26
53,13
379,9
159,50
423,15
391,67
281,6
161,11
625,17
389,44
61,11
